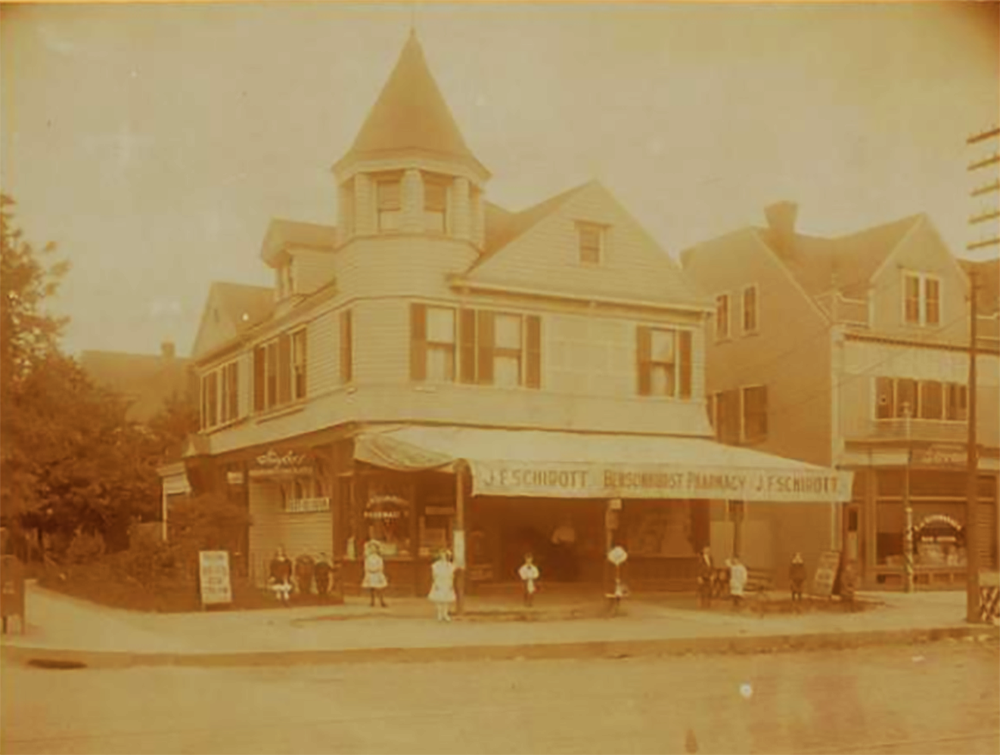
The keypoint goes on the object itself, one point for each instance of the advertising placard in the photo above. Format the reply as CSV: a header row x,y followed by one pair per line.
x,y
826,573
213,578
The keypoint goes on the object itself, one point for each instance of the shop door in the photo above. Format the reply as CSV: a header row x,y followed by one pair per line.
x,y
852,533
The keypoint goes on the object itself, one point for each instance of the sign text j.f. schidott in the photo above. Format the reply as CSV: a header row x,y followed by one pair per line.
x,y
618,481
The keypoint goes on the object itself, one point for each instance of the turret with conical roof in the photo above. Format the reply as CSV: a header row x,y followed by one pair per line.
x,y
409,169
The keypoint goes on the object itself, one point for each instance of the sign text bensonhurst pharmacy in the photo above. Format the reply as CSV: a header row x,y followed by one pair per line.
x,y
619,481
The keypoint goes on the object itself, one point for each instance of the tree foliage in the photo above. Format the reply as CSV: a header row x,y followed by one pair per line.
x,y
69,459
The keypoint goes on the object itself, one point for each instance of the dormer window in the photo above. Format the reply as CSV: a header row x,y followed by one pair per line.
x,y
435,205
591,238
390,205
921,299
286,280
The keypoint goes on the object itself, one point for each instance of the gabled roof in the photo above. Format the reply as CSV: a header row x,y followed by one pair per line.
x,y
845,263
411,115
146,381
504,227
988,277
283,233
245,306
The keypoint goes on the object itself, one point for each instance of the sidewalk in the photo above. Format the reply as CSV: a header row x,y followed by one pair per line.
x,y
69,629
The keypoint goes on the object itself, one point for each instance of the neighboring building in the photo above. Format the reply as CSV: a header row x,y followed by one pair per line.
x,y
984,167
852,352
146,381
436,365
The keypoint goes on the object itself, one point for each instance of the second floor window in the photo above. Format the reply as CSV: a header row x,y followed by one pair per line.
x,y
474,346
390,206
750,309
721,317
897,398
754,413
299,363
220,402
664,362
279,371
921,299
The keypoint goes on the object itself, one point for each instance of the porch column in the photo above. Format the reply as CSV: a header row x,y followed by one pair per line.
x,y
458,549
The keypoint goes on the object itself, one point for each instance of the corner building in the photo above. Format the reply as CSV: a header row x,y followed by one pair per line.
x,y
438,371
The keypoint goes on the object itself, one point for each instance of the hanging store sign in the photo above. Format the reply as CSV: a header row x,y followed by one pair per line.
x,y
940,456
661,481
289,460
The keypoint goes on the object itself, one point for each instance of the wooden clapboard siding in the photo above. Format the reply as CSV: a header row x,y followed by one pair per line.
x,y
402,265
921,250
313,269
547,257
381,341
323,354
790,353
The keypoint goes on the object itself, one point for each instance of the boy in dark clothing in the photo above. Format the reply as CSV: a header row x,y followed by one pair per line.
x,y
321,573
706,577
797,577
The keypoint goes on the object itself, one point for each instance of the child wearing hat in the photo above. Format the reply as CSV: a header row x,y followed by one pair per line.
x,y
529,574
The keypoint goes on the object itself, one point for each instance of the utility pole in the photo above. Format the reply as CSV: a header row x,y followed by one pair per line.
x,y
989,217
972,504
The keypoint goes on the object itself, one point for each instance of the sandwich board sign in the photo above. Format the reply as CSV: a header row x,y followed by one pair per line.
x,y
826,573
213,578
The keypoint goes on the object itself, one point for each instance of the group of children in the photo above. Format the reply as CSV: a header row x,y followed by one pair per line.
x,y
708,578
286,576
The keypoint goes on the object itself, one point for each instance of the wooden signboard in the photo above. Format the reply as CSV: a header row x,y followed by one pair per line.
x,y
12,595
826,573
214,581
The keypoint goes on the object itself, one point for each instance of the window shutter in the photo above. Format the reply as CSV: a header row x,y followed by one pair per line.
x,y
418,342
685,359
346,347
484,343
467,345
284,368
234,390
258,379
763,411
533,374
644,353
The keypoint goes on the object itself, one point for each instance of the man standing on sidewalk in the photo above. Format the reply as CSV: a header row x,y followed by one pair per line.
x,y
706,577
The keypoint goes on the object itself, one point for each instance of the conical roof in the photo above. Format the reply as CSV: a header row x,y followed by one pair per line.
x,y
411,115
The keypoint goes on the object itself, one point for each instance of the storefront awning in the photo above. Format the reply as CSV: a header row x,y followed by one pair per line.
x,y
571,465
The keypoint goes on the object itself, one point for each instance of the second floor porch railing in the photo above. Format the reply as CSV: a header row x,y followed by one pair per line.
x,y
900,428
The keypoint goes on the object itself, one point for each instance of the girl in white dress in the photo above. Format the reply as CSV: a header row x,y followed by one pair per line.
x,y
442,592
529,574
375,579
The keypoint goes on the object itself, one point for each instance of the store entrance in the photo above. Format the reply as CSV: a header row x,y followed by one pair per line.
x,y
565,537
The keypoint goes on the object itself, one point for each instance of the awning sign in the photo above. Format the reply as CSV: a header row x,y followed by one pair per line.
x,y
660,481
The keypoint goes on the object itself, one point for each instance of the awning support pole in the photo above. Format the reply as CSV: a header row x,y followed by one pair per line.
x,y
461,472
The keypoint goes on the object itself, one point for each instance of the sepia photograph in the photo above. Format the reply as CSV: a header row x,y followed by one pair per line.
x,y
500,377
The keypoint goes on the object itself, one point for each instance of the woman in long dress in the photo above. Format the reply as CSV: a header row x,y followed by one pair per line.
x,y
443,585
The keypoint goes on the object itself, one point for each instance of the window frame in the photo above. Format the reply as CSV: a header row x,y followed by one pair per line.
x,y
385,209
431,346
923,300
683,363
745,437
953,400
755,311
723,301
300,363
584,227
442,184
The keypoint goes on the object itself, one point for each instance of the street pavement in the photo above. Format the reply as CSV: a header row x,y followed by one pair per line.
x,y
942,697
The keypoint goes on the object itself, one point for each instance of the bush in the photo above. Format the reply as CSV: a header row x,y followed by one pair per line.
x,y
148,564
85,548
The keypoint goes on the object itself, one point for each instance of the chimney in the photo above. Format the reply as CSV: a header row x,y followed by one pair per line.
x,y
781,222
167,350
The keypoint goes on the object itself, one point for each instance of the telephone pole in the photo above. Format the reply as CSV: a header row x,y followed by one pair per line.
x,y
985,216
972,503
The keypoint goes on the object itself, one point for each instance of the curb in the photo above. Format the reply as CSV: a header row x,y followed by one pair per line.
x,y
552,651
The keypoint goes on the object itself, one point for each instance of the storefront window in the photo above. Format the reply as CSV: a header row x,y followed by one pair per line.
x,y
659,529
386,515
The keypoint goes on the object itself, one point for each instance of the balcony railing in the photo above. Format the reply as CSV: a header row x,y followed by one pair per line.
x,y
913,429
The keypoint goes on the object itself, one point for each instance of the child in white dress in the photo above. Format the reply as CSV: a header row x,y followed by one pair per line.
x,y
375,579
529,574
442,592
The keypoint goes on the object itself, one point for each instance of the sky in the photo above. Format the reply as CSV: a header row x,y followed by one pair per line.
x,y
155,143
